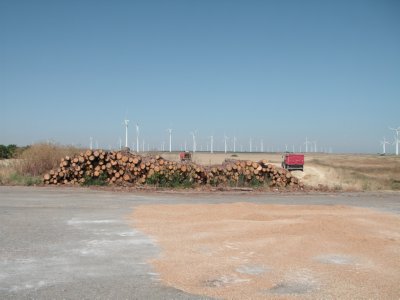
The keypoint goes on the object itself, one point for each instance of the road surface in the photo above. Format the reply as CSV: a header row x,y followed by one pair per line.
x,y
70,243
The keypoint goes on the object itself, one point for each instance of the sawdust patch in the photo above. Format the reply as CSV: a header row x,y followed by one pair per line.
x,y
255,251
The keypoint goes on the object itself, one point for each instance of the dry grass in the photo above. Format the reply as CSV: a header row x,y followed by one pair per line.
x,y
7,169
361,172
30,166
40,158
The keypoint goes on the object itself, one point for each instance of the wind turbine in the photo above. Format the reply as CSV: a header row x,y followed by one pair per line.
x,y
91,143
212,144
383,143
137,138
250,145
225,140
262,146
307,142
234,143
126,132
194,141
170,139
396,138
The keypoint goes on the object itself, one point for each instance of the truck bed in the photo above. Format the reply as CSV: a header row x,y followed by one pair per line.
x,y
293,162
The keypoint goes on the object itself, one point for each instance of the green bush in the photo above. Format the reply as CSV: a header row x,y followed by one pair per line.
x,y
96,181
253,182
173,181
7,152
28,180
395,184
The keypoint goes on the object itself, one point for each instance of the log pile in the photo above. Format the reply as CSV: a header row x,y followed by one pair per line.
x,y
124,168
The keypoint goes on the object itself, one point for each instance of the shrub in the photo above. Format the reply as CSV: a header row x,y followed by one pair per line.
x,y
173,181
19,179
395,184
95,181
7,152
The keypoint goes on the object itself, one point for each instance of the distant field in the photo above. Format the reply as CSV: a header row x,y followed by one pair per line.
x,y
360,172
336,171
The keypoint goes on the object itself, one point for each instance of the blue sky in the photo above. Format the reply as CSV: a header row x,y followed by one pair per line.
x,y
279,71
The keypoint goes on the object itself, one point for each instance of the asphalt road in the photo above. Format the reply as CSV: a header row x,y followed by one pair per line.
x,y
65,243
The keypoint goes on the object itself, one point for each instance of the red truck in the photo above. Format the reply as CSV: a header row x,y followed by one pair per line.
x,y
185,156
293,161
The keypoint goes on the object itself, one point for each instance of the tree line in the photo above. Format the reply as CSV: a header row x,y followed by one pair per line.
x,y
10,151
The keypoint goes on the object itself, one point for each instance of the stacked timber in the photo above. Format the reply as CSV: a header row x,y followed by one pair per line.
x,y
124,168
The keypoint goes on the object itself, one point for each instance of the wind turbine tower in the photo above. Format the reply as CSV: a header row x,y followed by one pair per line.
x,y
307,142
225,140
396,138
137,138
126,132
383,143
170,139
262,146
212,144
194,141
234,143
91,143
251,144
